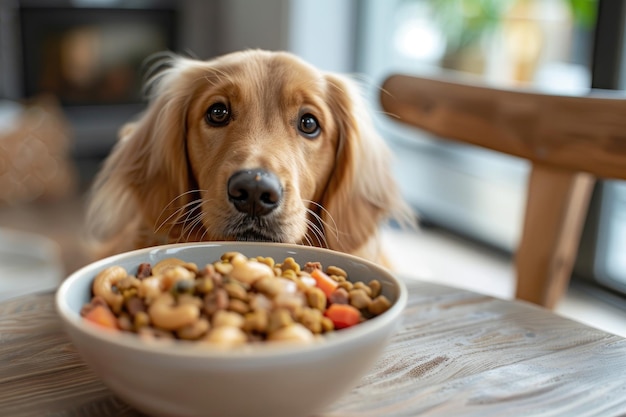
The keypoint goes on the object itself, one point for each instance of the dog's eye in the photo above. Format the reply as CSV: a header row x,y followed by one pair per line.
x,y
218,115
309,126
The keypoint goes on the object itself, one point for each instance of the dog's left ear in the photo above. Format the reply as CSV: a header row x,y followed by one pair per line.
x,y
362,191
145,180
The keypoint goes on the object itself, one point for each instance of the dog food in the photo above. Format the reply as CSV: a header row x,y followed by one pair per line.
x,y
233,301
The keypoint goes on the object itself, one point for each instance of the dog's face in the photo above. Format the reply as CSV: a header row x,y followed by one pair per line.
x,y
261,142
253,145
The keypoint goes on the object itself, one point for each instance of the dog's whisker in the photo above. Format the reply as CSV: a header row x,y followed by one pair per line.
x,y
317,233
178,215
176,218
204,235
194,223
175,215
331,227
307,241
172,201
318,226
188,224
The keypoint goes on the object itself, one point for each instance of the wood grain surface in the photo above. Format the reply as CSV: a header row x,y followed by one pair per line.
x,y
579,133
457,353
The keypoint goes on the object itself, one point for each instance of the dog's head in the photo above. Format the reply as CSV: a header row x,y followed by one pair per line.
x,y
254,145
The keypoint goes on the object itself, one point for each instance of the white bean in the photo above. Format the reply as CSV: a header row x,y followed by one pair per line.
x,y
249,272
166,315
165,264
227,318
226,336
293,333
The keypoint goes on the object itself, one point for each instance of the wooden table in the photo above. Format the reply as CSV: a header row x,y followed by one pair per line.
x,y
457,353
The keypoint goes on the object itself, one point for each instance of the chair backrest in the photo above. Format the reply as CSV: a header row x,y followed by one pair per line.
x,y
569,140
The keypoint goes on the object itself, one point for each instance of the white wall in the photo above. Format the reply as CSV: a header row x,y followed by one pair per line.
x,y
322,32
254,24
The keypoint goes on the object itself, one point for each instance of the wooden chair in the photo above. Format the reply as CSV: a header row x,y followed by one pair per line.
x,y
569,140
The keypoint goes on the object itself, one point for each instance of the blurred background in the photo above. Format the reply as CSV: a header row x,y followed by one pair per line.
x,y
70,76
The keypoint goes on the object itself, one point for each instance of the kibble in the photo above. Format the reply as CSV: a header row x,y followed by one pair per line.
x,y
226,307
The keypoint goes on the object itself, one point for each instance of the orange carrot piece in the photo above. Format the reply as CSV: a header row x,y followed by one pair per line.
x,y
324,282
102,316
343,315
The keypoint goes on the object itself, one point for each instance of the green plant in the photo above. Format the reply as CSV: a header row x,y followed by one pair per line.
x,y
466,22
584,12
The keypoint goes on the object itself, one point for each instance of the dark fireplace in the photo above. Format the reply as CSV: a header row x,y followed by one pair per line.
x,y
90,55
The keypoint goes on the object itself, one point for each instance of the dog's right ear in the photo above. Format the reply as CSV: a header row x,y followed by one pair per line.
x,y
145,179
362,192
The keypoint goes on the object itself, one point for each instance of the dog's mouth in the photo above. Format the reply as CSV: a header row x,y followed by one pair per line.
x,y
255,229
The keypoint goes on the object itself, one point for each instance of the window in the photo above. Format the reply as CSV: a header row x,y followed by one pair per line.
x,y
559,46
533,43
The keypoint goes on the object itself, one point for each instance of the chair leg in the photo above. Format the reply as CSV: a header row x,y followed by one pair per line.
x,y
556,209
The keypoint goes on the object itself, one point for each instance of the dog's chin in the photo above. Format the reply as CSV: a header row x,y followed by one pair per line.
x,y
256,230
254,236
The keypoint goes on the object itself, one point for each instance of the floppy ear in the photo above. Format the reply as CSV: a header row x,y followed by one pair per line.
x,y
142,181
362,192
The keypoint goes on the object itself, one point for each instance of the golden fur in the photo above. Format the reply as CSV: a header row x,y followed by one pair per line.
x,y
165,181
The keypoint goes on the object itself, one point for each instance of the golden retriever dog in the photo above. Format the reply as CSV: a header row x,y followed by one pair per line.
x,y
251,146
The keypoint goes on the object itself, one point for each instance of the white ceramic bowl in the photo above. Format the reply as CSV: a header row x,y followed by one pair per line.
x,y
190,379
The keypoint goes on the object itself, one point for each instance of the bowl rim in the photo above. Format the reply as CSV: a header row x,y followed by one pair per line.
x,y
178,348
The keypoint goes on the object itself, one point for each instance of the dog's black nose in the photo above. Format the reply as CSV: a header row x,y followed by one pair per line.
x,y
256,192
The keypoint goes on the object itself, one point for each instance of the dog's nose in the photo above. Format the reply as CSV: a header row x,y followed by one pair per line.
x,y
256,192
